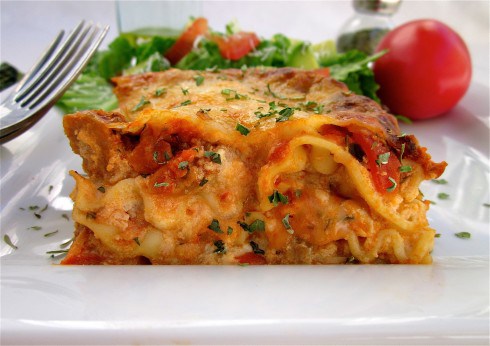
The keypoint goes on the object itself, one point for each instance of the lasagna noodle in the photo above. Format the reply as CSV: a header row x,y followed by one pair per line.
x,y
252,167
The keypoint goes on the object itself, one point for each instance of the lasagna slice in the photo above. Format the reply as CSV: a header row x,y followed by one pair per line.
x,y
264,166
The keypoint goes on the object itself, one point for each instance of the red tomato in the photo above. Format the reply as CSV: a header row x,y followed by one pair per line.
x,y
381,169
236,46
251,258
426,71
184,43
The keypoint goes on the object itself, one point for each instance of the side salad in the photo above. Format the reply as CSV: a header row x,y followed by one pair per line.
x,y
198,47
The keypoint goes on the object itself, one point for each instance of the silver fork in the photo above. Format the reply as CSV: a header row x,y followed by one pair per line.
x,y
48,79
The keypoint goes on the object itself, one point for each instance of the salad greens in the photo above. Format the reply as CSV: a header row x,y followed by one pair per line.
x,y
144,51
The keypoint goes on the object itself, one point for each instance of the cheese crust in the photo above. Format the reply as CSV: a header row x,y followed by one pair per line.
x,y
263,166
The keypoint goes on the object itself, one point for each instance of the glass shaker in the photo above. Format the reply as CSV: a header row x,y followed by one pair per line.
x,y
364,30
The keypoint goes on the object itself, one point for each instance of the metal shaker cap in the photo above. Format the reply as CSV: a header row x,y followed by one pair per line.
x,y
377,6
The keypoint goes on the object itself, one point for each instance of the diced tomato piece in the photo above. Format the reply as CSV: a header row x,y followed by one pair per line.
x,y
236,46
381,171
185,42
251,258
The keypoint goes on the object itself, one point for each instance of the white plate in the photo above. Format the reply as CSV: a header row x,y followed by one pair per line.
x,y
443,303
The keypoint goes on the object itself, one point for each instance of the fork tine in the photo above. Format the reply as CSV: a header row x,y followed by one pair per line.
x,y
68,72
41,62
47,67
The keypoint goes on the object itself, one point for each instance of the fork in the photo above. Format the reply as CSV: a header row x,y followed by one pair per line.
x,y
48,79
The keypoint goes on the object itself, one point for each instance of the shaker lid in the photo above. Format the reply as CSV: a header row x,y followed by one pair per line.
x,y
377,6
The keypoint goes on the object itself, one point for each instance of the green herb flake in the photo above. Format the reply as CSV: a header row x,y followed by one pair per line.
x,y
50,189
255,226
439,181
273,94
57,253
463,235
37,215
101,189
437,235
242,129
185,103
277,198
50,234
203,182
65,216
442,195
66,243
287,225
256,249
487,205
183,165
33,207
229,230
160,91
393,186
383,159
185,91
199,80
215,157
285,114
163,184
137,241
8,241
143,102
35,228
403,119
405,169
220,247
214,226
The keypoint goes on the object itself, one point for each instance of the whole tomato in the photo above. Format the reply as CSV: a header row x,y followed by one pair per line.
x,y
426,71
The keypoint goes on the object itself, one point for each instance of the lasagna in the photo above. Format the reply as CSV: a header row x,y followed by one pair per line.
x,y
257,166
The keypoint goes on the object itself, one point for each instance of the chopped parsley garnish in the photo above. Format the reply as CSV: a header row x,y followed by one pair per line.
x,y
220,246
437,235
164,184
185,91
183,165
242,129
214,226
486,205
50,189
186,103
137,241
215,157
56,252
199,80
285,114
383,159
393,186
166,156
440,181
35,228
287,225
65,216
8,241
273,94
403,119
50,234
143,102
66,243
405,169
277,197
229,230
101,189
312,106
463,235
233,95
37,215
203,182
442,195
159,92
256,249
256,226
33,207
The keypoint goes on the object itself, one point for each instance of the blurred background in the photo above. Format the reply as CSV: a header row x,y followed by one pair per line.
x,y
28,26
